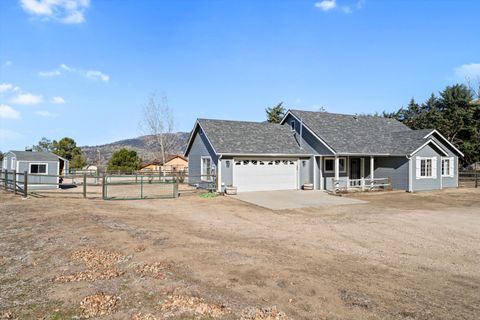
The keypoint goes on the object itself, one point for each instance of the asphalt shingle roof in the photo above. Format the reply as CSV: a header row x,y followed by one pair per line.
x,y
34,156
242,137
345,134
362,134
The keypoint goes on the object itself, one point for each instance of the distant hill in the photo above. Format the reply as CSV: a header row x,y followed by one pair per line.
x,y
146,147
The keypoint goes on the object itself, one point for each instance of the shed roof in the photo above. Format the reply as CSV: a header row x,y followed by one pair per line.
x,y
35,156
243,137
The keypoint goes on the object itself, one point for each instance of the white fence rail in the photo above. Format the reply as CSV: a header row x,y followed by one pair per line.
x,y
366,184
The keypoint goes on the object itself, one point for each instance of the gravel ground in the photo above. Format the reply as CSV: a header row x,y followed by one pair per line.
x,y
397,256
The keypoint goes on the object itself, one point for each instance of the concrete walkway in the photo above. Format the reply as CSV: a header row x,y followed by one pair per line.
x,y
293,199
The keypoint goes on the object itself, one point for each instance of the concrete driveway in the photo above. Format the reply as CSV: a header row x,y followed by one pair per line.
x,y
293,199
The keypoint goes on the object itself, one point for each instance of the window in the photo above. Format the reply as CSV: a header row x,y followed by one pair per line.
x,y
38,168
292,125
206,169
426,167
447,167
329,165
227,164
12,164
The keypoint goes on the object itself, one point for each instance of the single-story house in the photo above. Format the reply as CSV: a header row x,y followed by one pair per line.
x,y
327,150
173,163
44,168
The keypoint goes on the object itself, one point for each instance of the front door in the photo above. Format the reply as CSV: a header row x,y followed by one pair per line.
x,y
355,168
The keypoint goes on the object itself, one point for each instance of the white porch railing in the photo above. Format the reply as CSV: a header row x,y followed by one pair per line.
x,y
365,184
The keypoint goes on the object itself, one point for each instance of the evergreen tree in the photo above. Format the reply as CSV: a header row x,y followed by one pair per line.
x,y
275,114
124,160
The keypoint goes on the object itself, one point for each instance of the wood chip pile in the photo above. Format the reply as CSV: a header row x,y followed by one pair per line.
x,y
270,313
155,270
98,304
176,305
100,265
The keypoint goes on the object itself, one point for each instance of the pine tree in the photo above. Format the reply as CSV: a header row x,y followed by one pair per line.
x,y
275,114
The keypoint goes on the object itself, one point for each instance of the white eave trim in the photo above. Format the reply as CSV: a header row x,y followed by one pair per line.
x,y
428,142
444,139
311,131
266,155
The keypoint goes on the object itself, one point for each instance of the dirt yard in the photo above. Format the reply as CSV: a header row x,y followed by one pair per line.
x,y
399,256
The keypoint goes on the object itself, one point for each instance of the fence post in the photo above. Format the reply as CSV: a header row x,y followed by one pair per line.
x,y
104,187
141,186
84,185
175,189
25,184
5,182
14,181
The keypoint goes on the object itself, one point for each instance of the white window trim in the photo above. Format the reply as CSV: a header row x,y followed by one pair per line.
x,y
202,174
434,168
13,162
333,158
292,125
38,163
451,166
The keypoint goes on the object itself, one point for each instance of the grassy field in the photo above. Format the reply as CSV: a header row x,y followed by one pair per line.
x,y
399,256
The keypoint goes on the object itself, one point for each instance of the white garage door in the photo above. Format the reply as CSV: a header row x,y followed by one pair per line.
x,y
264,175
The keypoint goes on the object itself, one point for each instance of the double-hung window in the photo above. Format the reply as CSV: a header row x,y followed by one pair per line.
x,y
38,168
447,167
206,168
329,165
426,167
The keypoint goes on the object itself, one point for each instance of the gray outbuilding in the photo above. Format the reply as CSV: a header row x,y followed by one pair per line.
x,y
44,168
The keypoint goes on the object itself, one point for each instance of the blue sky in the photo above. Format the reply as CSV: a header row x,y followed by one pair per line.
x,y
84,68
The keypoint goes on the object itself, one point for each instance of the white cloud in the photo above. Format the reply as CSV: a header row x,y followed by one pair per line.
x,y
66,68
4,87
64,11
97,75
46,114
468,71
326,5
7,112
58,100
89,74
27,99
48,74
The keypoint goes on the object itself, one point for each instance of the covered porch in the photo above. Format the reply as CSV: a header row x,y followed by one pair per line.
x,y
354,172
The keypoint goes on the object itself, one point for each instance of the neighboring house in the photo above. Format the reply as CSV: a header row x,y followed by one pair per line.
x,y
320,148
41,166
174,163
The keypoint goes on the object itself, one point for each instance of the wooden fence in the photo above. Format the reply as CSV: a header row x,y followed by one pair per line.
x,y
134,185
469,179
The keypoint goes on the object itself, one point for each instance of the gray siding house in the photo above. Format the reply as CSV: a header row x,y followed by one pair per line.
x,y
39,165
330,151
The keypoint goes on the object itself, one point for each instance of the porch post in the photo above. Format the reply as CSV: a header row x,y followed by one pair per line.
x,y
337,172
372,169
362,173
320,168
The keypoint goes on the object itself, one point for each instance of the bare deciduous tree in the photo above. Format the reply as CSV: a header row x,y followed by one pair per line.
x,y
158,120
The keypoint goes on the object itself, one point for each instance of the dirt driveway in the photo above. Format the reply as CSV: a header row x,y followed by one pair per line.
x,y
398,256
